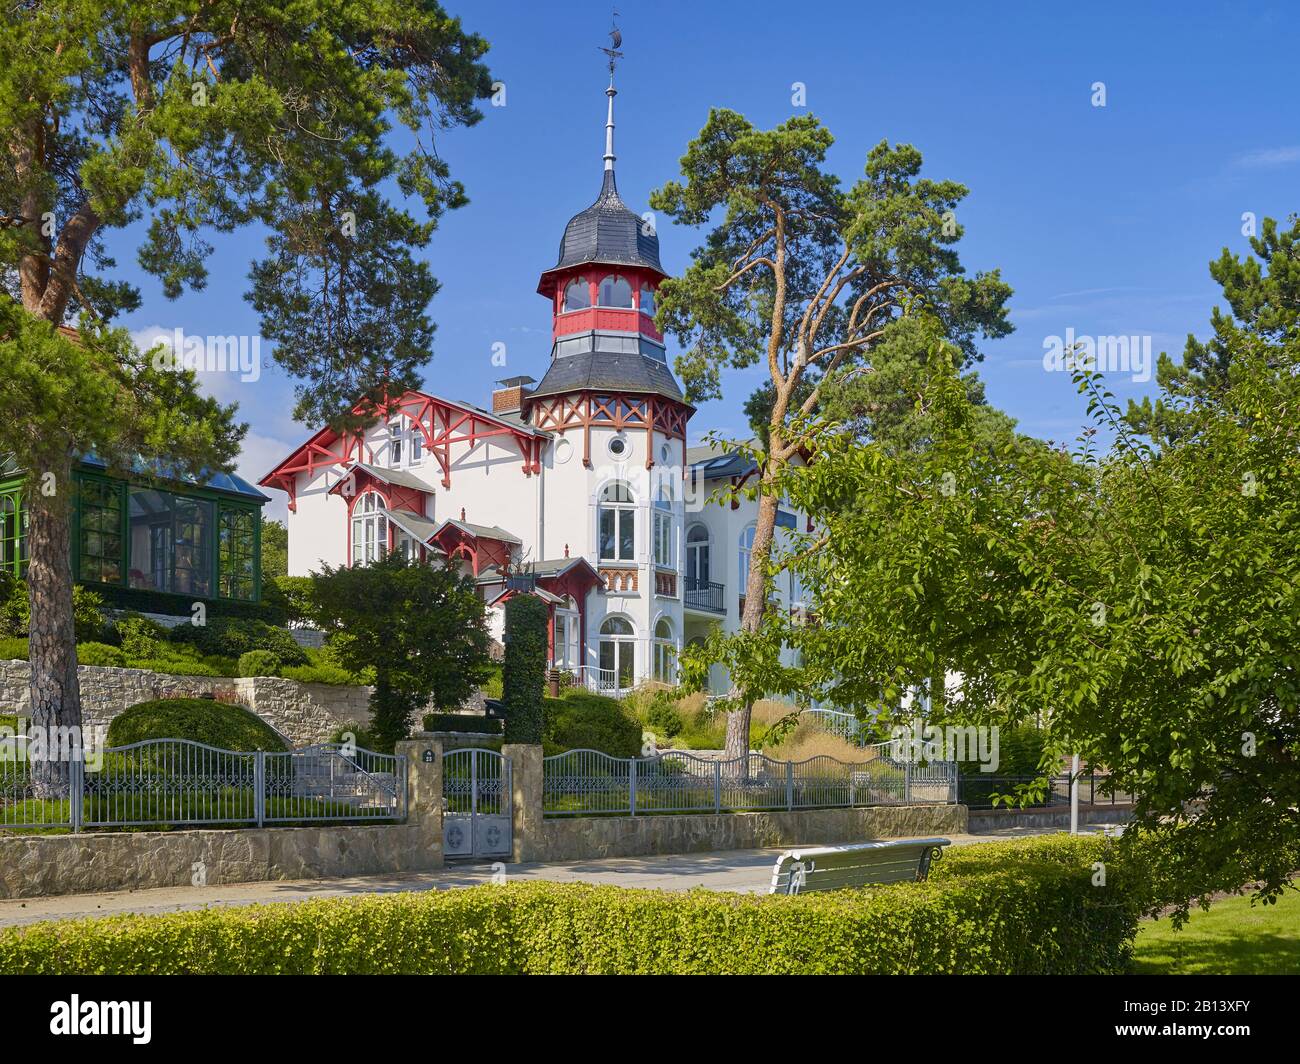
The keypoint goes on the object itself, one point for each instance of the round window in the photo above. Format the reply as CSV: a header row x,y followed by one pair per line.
x,y
563,451
665,455
618,447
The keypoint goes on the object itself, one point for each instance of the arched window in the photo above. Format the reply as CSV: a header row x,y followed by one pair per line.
x,y
665,663
648,301
615,292
746,549
616,523
10,534
698,547
369,528
617,655
663,529
577,294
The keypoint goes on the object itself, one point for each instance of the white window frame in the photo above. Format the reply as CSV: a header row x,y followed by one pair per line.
x,y
622,653
746,551
623,513
664,666
369,528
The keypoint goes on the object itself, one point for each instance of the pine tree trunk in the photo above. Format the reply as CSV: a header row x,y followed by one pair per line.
x,y
55,692
738,720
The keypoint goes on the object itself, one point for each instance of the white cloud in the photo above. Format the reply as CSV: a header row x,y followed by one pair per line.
x,y
1253,160
257,456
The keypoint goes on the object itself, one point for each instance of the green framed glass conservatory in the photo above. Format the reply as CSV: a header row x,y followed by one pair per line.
x,y
151,543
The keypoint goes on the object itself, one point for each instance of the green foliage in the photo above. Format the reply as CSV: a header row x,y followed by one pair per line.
x,y
275,552
101,654
421,629
663,716
583,720
462,722
12,649
1009,910
290,597
200,720
523,674
139,637
15,610
259,663
230,637
358,734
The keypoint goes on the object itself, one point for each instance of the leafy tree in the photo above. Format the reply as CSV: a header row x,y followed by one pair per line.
x,y
420,627
1142,603
809,278
275,550
523,673
207,117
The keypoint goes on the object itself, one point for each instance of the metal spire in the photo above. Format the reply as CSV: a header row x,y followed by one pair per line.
x,y
615,40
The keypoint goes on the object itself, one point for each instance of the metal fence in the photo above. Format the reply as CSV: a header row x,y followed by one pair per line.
x,y
587,782
175,782
975,790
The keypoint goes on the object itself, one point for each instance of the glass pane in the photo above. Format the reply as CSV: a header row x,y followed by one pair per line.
x,y
615,292
606,533
577,296
626,538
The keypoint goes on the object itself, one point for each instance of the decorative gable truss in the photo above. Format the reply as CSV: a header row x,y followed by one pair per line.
x,y
443,424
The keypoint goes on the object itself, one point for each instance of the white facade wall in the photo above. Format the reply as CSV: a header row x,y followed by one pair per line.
x,y
552,511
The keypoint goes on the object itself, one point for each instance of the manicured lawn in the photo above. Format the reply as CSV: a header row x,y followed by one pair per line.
x,y
1233,938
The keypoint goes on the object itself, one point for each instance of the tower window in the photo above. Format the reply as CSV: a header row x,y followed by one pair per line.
x,y
616,521
577,294
648,301
615,292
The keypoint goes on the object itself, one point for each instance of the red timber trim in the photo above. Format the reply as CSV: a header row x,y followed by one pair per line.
x,y
616,410
481,551
442,422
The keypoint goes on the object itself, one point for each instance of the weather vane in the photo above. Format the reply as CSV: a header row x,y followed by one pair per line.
x,y
615,40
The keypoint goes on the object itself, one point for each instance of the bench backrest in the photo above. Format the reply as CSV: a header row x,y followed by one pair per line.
x,y
855,865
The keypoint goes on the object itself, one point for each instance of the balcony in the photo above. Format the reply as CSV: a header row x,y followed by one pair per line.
x,y
704,595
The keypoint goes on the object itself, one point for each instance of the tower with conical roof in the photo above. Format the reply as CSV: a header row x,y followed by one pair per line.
x,y
609,369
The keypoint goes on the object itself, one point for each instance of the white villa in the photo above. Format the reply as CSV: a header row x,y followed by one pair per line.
x,y
579,488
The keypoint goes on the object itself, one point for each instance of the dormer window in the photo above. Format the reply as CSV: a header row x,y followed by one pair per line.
x,y
615,291
577,294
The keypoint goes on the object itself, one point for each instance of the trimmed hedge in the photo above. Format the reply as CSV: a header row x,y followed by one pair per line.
x,y
1037,914
200,720
462,722
523,672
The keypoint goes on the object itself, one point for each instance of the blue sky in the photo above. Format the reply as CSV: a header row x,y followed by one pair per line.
x,y
1103,219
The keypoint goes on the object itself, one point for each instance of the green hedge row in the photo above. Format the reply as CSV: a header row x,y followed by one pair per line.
x,y
1027,908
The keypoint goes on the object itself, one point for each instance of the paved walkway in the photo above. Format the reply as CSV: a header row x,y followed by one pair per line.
x,y
743,871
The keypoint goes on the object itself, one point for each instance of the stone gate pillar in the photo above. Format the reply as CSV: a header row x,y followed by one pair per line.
x,y
424,798
526,800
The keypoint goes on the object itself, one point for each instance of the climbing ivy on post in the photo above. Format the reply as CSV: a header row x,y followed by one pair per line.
x,y
524,670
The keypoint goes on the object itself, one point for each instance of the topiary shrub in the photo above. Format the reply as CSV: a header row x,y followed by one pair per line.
x,y
229,637
259,663
523,673
101,654
200,720
582,720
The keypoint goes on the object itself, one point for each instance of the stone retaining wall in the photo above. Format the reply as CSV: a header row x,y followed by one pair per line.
x,y
304,713
37,865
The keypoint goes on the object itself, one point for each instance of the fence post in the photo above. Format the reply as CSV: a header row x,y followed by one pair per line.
x,y
717,786
789,785
907,782
77,792
259,787
631,786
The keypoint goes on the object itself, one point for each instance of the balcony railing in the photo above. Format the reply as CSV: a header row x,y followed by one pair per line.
x,y
704,595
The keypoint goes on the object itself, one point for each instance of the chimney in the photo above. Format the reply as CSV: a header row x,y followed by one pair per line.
x,y
509,397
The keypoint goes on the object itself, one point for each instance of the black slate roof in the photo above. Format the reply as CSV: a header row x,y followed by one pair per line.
x,y
620,371
608,231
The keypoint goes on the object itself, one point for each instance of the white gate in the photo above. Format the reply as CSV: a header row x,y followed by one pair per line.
x,y
476,784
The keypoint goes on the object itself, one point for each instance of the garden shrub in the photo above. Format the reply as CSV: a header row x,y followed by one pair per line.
x,y
259,663
200,720
523,673
292,597
331,674
462,722
138,636
582,720
13,649
1012,909
229,637
663,717
15,610
100,654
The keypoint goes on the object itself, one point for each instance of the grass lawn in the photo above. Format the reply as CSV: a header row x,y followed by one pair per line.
x,y
1233,938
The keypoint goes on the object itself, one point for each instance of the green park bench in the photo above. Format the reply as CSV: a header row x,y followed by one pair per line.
x,y
859,864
